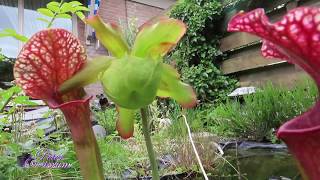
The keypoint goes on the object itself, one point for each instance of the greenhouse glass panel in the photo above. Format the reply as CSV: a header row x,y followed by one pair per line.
x,y
9,19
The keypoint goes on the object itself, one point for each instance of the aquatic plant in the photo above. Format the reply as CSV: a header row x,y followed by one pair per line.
x,y
47,60
136,75
296,39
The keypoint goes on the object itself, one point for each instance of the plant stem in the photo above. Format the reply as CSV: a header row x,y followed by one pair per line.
x,y
55,15
151,154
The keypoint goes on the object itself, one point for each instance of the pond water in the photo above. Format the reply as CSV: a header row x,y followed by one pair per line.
x,y
259,164
248,161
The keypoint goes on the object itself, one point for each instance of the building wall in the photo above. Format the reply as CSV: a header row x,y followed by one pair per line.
x,y
142,12
115,11
163,4
247,64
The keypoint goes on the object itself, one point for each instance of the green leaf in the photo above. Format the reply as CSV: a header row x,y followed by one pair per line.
x,y
12,33
66,7
15,147
21,38
9,31
47,114
81,8
89,74
45,12
75,3
80,15
125,122
44,20
40,133
110,36
3,102
66,16
24,100
157,37
53,6
171,86
15,89
4,121
6,95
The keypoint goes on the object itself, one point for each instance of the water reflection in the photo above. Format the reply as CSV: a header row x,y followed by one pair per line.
x,y
259,164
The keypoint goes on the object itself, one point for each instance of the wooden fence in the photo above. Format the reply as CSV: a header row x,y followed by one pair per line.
x,y
244,59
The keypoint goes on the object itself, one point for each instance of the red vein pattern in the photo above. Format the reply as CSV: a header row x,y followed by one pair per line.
x,y
48,59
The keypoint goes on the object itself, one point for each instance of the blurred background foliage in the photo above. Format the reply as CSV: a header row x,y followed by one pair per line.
x,y
197,55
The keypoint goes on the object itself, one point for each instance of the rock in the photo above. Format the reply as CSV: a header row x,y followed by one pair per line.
x,y
166,161
279,178
99,131
129,174
256,145
246,145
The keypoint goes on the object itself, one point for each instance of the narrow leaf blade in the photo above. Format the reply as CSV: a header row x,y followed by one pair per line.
x,y
66,7
75,3
45,12
157,37
80,15
89,74
65,16
81,8
44,20
53,6
12,33
109,36
171,86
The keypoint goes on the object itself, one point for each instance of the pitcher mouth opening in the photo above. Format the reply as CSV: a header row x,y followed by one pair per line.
x,y
70,103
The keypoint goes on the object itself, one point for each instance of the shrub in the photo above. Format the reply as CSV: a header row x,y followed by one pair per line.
x,y
197,54
262,112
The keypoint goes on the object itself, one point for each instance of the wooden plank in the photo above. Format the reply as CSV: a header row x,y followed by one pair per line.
x,y
251,68
311,3
287,75
246,60
237,39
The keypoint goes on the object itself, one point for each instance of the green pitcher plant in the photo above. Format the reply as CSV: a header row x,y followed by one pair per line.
x,y
134,76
